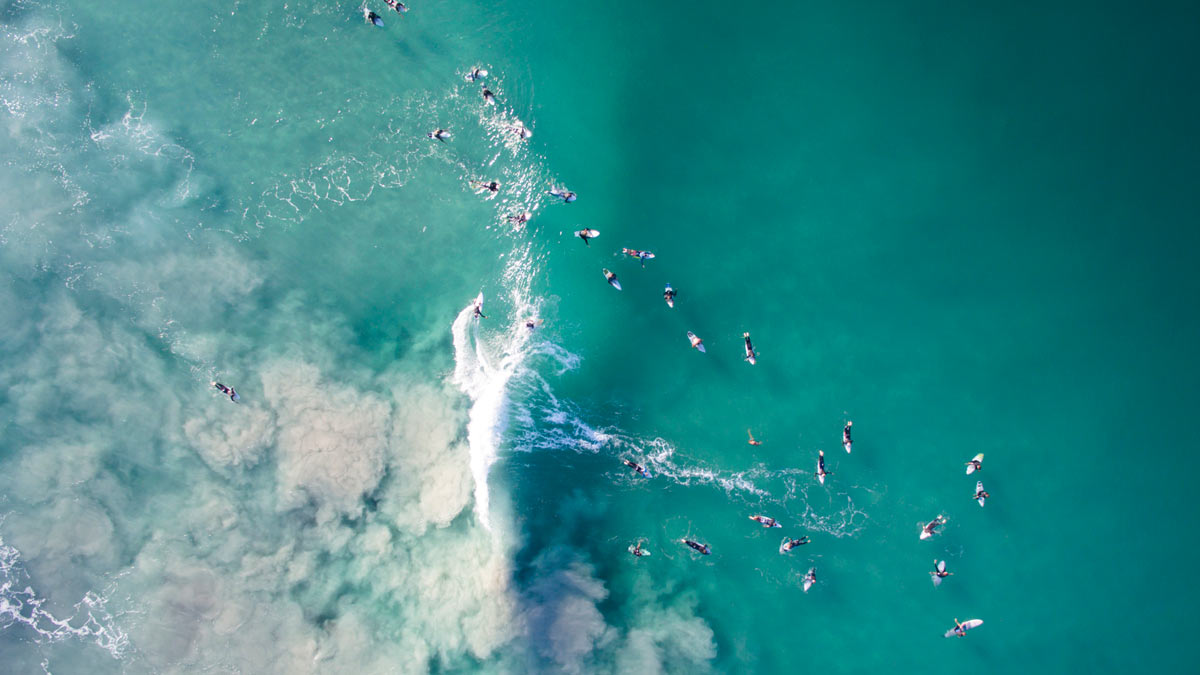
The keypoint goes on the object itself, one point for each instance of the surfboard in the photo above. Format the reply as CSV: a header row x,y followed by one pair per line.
x,y
670,300
810,578
783,546
971,466
978,489
375,20
590,234
967,625
820,473
692,339
925,533
612,281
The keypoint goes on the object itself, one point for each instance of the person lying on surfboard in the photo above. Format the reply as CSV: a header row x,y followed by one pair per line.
x,y
981,493
228,391
765,521
480,187
563,194
793,543
476,73
637,550
959,630
521,130
752,441
846,442
931,528
396,5
703,548
669,296
978,464
821,472
439,135
612,279
374,18
488,96
751,355
636,467
520,218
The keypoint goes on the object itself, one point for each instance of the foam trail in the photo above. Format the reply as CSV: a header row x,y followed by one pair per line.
x,y
484,379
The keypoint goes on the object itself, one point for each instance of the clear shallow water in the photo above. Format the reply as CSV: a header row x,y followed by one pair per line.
x,y
965,231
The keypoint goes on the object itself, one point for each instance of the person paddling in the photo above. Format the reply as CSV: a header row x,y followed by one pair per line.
x,y
228,391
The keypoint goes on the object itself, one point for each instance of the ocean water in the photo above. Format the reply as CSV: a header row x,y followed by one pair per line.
x,y
967,229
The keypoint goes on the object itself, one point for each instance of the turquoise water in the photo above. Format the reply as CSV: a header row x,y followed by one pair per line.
x,y
967,230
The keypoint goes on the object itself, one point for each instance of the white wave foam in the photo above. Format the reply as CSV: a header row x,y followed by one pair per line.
x,y
23,606
483,372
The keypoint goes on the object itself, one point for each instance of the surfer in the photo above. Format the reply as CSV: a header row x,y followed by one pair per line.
x,y
564,194
476,73
980,493
612,279
697,343
480,187
584,234
637,550
939,571
532,324
752,441
636,467
931,527
703,548
439,135
228,391
669,295
810,578
521,130
396,5
751,355
374,18
846,441
520,218
959,629
479,311
821,472
765,521
793,543
976,464
488,96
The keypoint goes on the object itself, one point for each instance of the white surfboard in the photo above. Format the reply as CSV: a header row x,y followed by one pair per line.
x,y
925,533
978,489
967,625
590,234
820,473
810,578
694,340
971,464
